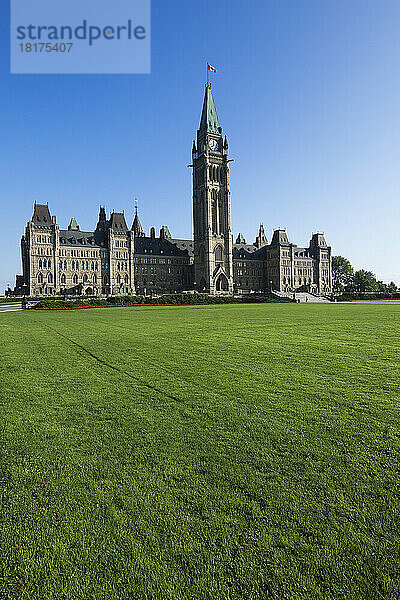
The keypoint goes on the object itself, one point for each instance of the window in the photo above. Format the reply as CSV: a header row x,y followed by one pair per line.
x,y
63,278
49,278
218,254
40,278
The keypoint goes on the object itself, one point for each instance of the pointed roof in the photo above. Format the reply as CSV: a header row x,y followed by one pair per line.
x,y
209,117
167,232
102,222
137,227
73,225
240,239
261,239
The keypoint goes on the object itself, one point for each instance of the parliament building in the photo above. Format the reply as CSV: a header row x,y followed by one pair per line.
x,y
118,259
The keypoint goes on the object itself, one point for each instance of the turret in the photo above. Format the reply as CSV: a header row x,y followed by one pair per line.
x,y
102,221
261,239
137,226
73,225
279,237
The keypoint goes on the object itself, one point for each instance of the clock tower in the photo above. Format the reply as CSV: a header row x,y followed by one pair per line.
x,y
213,242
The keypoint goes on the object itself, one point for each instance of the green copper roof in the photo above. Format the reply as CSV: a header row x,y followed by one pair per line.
x,y
209,115
73,224
167,232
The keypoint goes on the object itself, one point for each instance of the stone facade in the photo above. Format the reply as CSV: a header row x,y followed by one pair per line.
x,y
117,260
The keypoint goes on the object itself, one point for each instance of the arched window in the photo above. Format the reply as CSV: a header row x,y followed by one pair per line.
x,y
65,264
94,278
44,263
75,279
49,278
63,279
201,255
40,278
92,266
40,264
118,279
214,210
49,264
221,213
218,254
126,279
85,278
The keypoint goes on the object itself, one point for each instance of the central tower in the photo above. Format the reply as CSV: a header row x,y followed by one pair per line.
x,y
213,242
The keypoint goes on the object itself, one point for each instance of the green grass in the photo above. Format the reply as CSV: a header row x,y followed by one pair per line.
x,y
214,452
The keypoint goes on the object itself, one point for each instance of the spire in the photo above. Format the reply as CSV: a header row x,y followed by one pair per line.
x,y
209,118
137,226
102,220
261,239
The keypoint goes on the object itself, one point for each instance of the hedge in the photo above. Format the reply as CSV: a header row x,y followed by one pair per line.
x,y
169,300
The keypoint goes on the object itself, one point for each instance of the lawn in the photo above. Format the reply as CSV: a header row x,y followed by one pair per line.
x,y
214,452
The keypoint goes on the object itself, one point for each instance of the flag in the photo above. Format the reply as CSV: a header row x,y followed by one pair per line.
x,y
211,68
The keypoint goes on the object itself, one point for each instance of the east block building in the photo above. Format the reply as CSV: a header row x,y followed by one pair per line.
x,y
121,260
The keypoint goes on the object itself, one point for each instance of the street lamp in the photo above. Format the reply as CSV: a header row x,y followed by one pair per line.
x,y
24,286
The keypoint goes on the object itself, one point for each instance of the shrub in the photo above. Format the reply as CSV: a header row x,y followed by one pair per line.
x,y
167,300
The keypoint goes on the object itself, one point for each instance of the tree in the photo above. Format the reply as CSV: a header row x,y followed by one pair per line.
x,y
342,273
365,281
392,288
382,287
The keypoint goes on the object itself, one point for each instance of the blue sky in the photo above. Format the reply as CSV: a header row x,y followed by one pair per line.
x,y
307,92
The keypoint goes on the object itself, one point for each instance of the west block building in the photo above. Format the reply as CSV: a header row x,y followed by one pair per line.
x,y
120,259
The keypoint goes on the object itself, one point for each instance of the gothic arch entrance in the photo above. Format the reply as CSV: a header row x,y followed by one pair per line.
x,y
221,284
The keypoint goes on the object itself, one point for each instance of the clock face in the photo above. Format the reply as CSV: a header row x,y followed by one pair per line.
x,y
213,145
